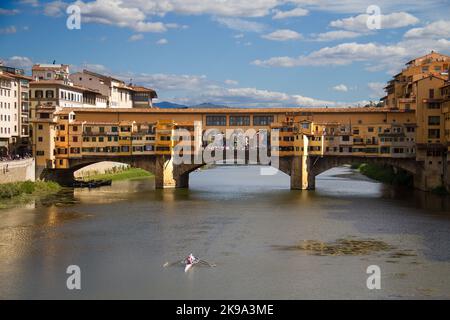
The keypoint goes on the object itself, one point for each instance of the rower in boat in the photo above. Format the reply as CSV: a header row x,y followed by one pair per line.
x,y
189,262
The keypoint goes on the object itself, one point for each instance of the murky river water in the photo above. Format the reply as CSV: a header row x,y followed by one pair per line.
x,y
267,241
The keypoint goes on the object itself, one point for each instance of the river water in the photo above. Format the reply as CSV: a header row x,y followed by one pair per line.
x,y
267,241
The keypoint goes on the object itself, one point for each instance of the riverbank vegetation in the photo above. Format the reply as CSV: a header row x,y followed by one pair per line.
x,y
385,174
27,188
117,174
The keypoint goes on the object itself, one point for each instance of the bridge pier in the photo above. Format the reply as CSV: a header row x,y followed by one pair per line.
x,y
63,177
302,177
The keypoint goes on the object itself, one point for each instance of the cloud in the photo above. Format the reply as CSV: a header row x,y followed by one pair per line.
x,y
55,8
114,12
282,35
231,82
239,36
8,30
342,54
389,21
438,29
336,35
162,41
297,12
241,24
376,89
390,57
168,82
136,37
195,89
33,3
8,12
18,62
340,88
358,6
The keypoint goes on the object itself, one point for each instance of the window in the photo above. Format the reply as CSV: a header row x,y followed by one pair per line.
x,y
75,139
370,129
216,120
434,120
49,94
39,94
431,93
40,127
75,128
434,133
434,105
114,129
262,120
239,120
40,139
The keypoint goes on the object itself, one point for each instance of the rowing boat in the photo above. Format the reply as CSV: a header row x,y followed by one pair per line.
x,y
190,265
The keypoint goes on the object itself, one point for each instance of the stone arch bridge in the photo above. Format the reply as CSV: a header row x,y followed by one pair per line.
x,y
301,169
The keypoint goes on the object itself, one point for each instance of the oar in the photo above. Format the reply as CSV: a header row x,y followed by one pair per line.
x,y
206,262
167,264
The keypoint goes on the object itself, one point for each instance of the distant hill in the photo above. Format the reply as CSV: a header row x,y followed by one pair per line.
x,y
171,105
209,106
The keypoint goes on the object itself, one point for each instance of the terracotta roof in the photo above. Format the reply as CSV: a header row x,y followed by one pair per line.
x,y
101,76
43,67
238,110
431,76
19,76
61,83
144,89
5,75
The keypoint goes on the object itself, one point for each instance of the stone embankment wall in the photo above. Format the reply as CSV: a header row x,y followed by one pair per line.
x,y
17,170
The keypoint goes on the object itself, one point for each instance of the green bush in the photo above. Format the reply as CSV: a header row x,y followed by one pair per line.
x,y
14,189
386,174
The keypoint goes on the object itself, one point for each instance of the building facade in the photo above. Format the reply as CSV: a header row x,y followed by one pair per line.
x,y
14,112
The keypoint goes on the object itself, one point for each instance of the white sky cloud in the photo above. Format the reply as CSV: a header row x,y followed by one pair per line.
x,y
241,24
282,35
297,12
8,12
18,62
136,37
336,35
162,41
378,56
8,30
437,29
340,88
388,21
231,82
376,89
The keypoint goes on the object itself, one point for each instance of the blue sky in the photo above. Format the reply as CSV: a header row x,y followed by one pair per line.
x,y
240,53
